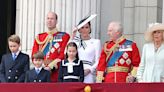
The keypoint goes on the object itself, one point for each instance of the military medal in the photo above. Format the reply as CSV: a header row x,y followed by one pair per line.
x,y
48,55
125,55
128,61
57,40
56,45
52,50
122,61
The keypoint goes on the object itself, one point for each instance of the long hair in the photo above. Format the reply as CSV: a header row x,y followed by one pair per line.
x,y
72,44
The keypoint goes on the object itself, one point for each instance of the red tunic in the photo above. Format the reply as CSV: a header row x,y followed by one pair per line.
x,y
56,51
127,59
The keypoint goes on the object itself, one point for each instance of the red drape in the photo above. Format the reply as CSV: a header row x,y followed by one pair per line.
x,y
79,87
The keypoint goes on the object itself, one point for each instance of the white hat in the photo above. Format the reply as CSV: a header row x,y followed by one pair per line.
x,y
85,21
153,27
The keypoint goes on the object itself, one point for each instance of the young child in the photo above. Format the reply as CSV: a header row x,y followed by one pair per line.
x,y
71,69
38,74
14,65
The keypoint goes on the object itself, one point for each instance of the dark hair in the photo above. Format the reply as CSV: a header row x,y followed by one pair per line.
x,y
56,16
72,44
38,55
88,23
14,38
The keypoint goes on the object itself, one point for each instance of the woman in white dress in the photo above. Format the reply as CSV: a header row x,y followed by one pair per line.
x,y
89,51
151,68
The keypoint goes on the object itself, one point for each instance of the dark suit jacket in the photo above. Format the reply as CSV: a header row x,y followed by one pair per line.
x,y
14,71
43,76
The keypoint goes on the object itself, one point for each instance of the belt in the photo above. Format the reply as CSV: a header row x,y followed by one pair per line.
x,y
117,69
71,77
87,62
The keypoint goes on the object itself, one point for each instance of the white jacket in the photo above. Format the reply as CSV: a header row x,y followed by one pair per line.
x,y
151,67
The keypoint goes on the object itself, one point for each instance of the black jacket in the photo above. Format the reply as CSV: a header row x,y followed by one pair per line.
x,y
14,71
43,76
77,71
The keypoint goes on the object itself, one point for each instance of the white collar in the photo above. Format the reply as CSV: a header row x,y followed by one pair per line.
x,y
40,68
17,53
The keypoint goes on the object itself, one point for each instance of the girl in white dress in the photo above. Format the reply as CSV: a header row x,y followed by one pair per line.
x,y
151,68
89,51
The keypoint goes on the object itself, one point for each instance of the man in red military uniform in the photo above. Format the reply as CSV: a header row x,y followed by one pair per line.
x,y
52,43
119,57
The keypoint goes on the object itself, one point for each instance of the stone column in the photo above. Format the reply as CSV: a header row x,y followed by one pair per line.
x,y
146,12
135,15
30,17
163,12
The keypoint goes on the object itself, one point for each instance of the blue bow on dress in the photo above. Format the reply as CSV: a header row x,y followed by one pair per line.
x,y
81,42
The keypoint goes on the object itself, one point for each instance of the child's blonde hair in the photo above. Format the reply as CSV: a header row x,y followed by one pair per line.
x,y
14,38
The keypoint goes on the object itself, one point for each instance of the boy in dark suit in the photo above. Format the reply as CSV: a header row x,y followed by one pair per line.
x,y
38,74
14,65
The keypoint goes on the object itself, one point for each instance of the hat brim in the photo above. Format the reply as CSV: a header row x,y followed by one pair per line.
x,y
85,21
150,30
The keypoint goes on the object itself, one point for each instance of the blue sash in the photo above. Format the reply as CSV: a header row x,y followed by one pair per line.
x,y
47,49
56,37
117,54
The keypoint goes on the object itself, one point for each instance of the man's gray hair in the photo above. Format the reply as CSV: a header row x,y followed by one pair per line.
x,y
119,25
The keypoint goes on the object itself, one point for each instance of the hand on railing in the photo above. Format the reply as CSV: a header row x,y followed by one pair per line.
x,y
130,79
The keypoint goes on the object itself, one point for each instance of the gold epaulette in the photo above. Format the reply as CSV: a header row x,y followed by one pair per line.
x,y
99,77
55,30
41,42
134,71
106,50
